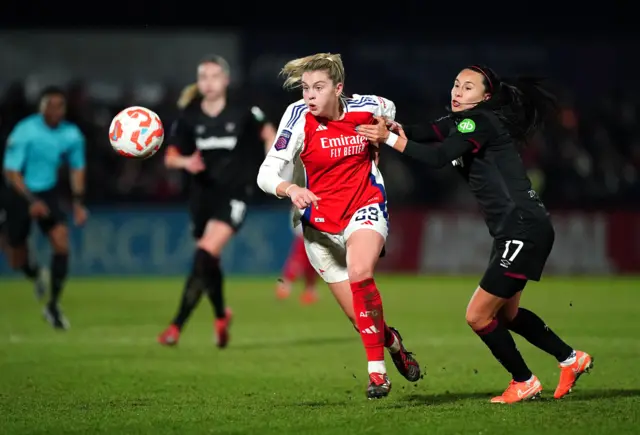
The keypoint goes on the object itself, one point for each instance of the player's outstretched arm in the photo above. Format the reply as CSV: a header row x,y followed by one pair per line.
x,y
432,131
434,155
289,140
465,139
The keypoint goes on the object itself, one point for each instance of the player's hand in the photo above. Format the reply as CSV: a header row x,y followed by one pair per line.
x,y
393,126
80,215
38,209
376,133
302,197
194,163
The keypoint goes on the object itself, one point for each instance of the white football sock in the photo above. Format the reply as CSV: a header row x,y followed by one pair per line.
x,y
377,367
567,362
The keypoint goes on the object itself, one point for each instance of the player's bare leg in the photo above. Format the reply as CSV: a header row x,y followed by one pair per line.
x,y
573,363
210,246
482,317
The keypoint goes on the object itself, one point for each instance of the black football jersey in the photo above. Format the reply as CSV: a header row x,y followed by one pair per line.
x,y
230,145
481,149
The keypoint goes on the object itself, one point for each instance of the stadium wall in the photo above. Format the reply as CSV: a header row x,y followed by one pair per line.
x,y
158,242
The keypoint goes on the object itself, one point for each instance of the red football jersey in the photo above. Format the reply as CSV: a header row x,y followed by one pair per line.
x,y
333,160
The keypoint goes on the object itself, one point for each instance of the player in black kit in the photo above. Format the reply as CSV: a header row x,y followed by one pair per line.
x,y
221,144
489,118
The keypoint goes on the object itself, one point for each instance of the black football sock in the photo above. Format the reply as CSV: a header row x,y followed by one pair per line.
x,y
189,301
30,270
208,267
59,269
500,342
536,332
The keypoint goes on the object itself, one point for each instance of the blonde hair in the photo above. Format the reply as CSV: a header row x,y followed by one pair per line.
x,y
294,69
190,92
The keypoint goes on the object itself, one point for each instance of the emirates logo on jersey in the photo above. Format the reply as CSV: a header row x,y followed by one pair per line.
x,y
344,146
334,142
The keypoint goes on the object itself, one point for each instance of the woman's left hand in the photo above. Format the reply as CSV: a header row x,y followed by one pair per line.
x,y
376,133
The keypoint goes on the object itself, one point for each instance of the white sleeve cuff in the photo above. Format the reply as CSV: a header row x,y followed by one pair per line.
x,y
392,139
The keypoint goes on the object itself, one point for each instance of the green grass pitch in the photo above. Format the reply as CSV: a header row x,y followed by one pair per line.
x,y
294,369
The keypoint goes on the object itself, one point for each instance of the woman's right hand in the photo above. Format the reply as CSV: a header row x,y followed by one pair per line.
x,y
393,126
194,163
302,197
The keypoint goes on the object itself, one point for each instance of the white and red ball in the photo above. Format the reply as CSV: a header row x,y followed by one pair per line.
x,y
136,132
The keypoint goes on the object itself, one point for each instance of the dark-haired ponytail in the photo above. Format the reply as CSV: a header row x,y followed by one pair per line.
x,y
524,105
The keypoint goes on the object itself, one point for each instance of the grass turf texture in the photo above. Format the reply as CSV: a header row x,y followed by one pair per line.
x,y
294,369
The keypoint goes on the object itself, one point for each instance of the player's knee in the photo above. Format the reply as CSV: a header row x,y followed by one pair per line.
x,y
477,319
359,271
215,238
210,245
59,238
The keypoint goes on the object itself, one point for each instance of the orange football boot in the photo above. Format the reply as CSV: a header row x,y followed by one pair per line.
x,y
308,297
570,374
519,391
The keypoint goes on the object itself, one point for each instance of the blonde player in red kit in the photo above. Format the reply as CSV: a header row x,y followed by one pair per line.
x,y
341,201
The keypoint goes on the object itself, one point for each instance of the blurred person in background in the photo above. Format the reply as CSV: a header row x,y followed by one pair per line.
x,y
489,119
36,148
340,200
3,217
215,140
297,265
13,108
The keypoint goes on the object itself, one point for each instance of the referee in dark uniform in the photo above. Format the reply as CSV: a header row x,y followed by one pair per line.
x,y
489,118
221,144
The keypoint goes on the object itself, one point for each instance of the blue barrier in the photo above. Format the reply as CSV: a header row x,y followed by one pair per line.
x,y
158,242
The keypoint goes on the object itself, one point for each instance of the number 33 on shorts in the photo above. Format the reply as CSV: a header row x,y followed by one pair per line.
x,y
370,217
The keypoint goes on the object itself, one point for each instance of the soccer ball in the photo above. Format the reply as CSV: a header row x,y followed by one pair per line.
x,y
136,132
